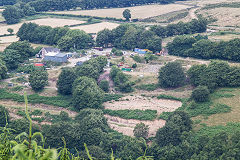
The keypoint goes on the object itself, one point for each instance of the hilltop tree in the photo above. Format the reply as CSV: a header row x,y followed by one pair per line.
x,y
126,14
10,30
65,81
38,79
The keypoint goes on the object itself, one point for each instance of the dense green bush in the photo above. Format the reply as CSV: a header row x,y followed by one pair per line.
x,y
65,81
141,130
202,47
4,116
216,74
177,123
104,85
200,94
38,79
87,94
171,75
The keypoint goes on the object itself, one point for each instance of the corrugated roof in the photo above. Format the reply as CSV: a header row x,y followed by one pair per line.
x,y
51,54
60,55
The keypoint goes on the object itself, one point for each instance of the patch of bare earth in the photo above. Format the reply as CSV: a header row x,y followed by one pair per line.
x,y
139,102
126,126
144,103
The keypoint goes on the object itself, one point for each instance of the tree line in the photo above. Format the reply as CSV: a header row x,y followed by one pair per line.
x,y
203,48
128,36
63,37
181,28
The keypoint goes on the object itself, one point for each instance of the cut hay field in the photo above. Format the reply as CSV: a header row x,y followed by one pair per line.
x,y
53,22
137,12
224,16
94,28
8,39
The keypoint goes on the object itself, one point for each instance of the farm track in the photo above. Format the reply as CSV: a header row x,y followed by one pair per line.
x,y
43,107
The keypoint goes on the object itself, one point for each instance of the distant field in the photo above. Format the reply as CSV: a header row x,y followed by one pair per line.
x,y
56,22
8,39
137,12
224,16
53,22
94,28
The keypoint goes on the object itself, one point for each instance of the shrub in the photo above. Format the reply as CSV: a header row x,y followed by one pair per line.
x,y
104,85
134,65
137,58
200,94
118,53
141,130
4,115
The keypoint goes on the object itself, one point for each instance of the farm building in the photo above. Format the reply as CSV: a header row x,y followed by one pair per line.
x,y
46,50
55,57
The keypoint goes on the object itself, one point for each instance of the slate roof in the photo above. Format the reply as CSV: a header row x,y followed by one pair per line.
x,y
51,49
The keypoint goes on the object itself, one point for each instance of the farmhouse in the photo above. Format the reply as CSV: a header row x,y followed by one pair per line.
x,y
55,57
46,50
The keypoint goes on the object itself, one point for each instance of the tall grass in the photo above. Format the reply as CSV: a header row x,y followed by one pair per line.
x,y
133,114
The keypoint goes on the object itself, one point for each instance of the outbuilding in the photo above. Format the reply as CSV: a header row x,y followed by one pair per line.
x,y
55,57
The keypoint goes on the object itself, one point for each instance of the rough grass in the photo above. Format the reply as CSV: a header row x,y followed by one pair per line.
x,y
225,98
217,105
60,101
133,114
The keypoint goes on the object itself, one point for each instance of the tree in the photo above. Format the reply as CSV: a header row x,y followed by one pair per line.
x,y
12,14
104,37
87,95
104,85
215,75
233,77
200,94
177,123
38,79
10,30
23,47
141,130
171,75
195,73
28,10
127,14
12,58
3,70
65,81
4,116
87,70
